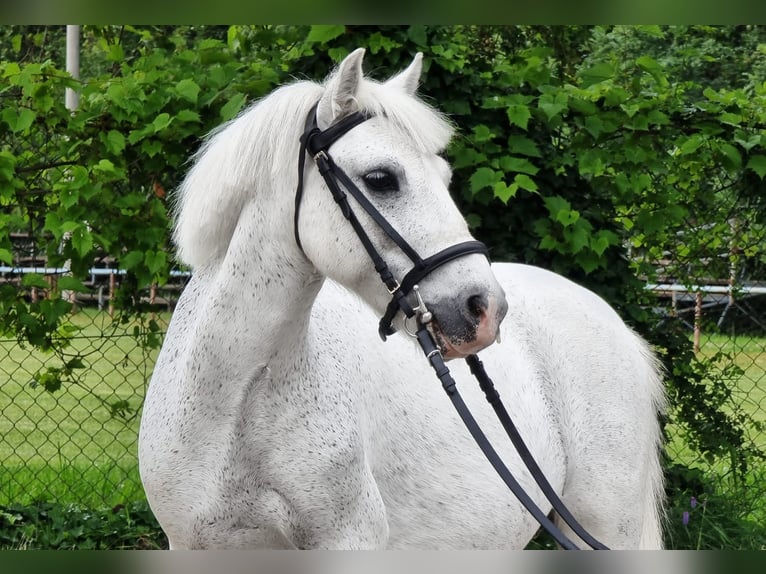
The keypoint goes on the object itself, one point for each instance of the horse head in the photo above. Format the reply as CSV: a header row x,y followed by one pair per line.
x,y
390,155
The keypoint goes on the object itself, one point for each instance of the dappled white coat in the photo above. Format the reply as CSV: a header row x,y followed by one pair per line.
x,y
276,417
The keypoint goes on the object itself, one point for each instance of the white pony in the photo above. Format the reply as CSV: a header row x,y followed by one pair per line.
x,y
277,418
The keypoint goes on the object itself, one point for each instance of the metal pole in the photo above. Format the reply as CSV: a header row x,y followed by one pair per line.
x,y
71,102
72,98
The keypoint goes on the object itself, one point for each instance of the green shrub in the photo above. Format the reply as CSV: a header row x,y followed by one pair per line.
x,y
55,526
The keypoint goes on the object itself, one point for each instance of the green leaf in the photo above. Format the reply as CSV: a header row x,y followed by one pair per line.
x,y
591,162
522,145
7,165
75,363
377,42
115,53
691,145
483,177
232,107
616,96
417,34
151,147
161,122
518,165
115,142
325,33
104,166
482,133
117,94
156,261
11,69
640,122
188,116
6,256
34,280
525,182
552,104
136,136
732,154
25,119
188,89
650,65
750,142
131,259
757,163
657,117
464,156
556,203
594,126
602,240
561,210
730,118
518,114
588,261
69,196
82,240
504,192
595,74
18,119
50,379
576,236
70,283
551,110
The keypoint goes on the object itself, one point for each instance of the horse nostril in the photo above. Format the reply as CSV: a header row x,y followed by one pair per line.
x,y
477,305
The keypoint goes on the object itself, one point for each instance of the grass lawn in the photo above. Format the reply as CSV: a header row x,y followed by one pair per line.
x,y
67,445
735,498
748,387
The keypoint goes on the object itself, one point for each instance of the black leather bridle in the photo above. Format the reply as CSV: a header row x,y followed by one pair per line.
x,y
316,143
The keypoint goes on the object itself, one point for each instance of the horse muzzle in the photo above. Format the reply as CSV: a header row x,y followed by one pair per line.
x,y
465,326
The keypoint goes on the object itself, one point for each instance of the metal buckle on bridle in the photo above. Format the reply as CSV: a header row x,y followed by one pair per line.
x,y
422,315
395,288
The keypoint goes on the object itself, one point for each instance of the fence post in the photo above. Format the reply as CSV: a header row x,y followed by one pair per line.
x,y
112,282
697,320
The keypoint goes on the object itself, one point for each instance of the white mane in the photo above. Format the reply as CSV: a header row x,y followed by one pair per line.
x,y
244,156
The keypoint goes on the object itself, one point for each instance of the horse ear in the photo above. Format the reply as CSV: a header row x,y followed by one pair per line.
x,y
339,99
407,80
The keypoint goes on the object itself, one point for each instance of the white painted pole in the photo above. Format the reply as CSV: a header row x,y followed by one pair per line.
x,y
72,102
72,98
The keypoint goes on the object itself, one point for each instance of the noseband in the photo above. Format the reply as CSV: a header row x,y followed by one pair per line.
x,y
316,143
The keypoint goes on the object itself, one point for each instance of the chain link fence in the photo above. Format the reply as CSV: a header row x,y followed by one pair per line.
x,y
709,283
69,425
78,443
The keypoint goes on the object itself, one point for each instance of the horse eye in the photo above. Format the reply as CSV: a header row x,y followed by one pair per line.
x,y
380,180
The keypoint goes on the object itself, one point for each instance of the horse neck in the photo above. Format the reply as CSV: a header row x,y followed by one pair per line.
x,y
258,299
